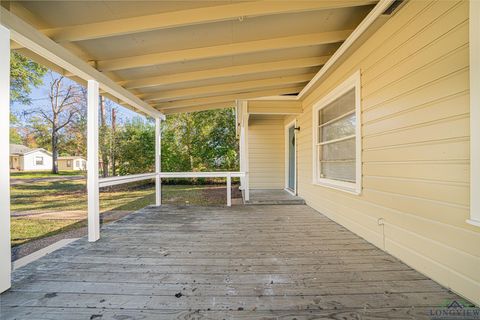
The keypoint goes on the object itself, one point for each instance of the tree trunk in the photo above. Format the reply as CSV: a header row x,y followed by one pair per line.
x,y
103,141
113,142
54,150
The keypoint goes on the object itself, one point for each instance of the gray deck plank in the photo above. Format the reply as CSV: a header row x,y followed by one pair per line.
x,y
42,313
244,262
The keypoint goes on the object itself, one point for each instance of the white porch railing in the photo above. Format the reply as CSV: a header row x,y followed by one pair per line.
x,y
112,181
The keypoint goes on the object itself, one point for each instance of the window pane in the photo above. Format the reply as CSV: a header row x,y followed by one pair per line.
x,y
341,128
344,171
343,150
335,109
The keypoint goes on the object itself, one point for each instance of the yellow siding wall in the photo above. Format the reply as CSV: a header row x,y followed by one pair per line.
x,y
266,155
415,142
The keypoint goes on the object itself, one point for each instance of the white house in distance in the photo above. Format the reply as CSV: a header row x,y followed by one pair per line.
x,y
23,158
72,163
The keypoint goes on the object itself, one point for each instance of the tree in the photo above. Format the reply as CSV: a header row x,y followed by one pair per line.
x,y
199,141
65,99
38,133
136,147
15,136
113,141
24,73
103,137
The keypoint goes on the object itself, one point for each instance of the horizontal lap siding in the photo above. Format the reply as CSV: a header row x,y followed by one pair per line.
x,y
415,144
266,156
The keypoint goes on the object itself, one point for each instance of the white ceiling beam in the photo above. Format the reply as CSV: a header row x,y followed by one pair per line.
x,y
224,98
203,107
279,107
40,44
190,17
227,88
238,70
223,50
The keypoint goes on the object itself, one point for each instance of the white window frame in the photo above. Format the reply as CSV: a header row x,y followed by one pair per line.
x,y
42,159
356,188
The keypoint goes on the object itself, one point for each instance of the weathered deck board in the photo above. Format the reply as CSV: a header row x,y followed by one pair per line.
x,y
252,262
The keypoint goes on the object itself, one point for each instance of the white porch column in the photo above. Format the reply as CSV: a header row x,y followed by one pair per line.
x,y
92,163
158,162
5,246
245,116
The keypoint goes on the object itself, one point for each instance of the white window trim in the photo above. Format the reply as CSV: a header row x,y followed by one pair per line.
x,y
356,188
39,157
474,113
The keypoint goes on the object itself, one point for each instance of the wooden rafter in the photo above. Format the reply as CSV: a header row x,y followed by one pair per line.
x,y
225,98
203,107
190,17
31,38
232,71
227,88
230,49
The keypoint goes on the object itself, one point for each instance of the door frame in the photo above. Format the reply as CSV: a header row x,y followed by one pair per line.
x,y
293,124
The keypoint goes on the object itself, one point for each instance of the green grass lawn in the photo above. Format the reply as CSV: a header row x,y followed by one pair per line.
x,y
24,230
70,195
43,174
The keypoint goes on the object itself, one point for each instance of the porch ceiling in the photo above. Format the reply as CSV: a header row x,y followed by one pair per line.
x,y
192,55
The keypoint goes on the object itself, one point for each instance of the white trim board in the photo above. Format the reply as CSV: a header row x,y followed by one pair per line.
x,y
41,253
474,113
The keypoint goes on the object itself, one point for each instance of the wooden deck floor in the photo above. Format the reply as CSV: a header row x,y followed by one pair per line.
x,y
244,262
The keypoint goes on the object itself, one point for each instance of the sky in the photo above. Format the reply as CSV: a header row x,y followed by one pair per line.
x,y
40,100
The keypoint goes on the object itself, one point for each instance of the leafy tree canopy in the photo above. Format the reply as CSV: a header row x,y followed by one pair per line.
x,y
198,141
15,136
24,73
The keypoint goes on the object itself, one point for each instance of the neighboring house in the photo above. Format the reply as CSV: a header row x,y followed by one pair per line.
x,y
23,158
72,163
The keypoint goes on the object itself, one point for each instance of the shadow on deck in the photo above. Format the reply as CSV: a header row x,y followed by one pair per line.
x,y
244,262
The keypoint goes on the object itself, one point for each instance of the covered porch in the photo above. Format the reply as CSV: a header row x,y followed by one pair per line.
x,y
243,262
402,78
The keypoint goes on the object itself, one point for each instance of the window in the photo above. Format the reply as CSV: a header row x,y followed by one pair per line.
x,y
69,163
337,138
38,160
77,164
